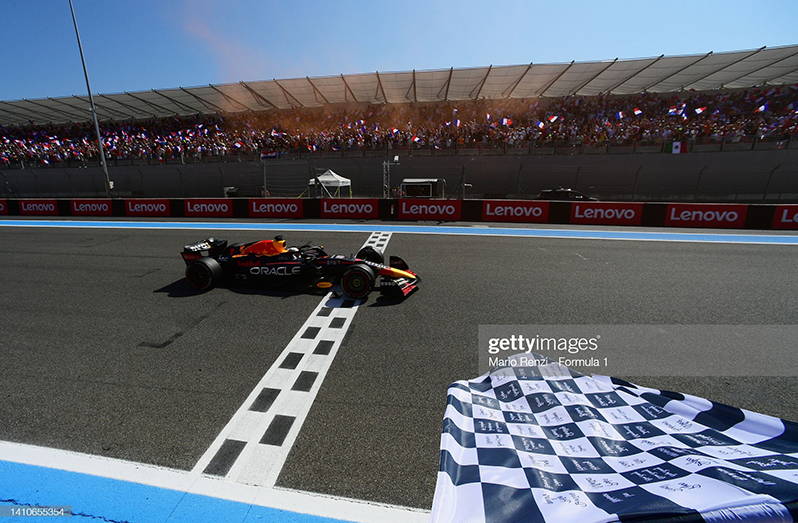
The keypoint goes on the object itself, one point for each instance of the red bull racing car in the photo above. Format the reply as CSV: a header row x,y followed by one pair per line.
x,y
270,262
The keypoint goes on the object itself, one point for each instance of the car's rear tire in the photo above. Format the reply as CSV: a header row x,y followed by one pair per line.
x,y
371,254
204,274
358,281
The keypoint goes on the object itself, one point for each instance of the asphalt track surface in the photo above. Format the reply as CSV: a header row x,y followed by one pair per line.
x,y
107,351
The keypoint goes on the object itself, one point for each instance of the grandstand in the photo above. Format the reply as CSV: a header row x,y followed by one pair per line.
x,y
732,101
703,72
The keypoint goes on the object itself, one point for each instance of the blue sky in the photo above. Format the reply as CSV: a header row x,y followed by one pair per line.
x,y
139,45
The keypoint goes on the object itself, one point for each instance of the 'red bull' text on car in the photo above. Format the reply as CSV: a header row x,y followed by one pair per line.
x,y
271,263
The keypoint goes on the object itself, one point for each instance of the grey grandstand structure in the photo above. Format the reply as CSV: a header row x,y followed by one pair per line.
x,y
701,72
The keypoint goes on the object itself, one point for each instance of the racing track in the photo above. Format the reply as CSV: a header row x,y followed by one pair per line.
x,y
106,351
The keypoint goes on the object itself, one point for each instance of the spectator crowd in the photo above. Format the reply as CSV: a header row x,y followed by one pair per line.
x,y
768,112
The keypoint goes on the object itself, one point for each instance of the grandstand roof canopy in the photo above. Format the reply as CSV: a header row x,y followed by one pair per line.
x,y
701,72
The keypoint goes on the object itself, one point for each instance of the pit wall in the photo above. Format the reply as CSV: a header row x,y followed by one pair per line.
x,y
756,177
718,215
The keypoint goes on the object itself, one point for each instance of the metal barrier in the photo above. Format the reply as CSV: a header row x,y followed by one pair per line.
x,y
758,175
712,215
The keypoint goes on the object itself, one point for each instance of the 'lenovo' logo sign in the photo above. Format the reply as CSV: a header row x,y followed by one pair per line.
x,y
601,213
786,217
706,215
147,208
429,209
515,211
38,207
211,208
90,207
349,208
275,208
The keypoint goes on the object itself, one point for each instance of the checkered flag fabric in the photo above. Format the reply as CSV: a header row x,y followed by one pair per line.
x,y
546,444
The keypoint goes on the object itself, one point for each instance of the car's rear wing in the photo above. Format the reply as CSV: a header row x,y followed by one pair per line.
x,y
210,247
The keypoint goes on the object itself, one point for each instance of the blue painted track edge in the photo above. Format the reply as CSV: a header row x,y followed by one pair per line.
x,y
700,237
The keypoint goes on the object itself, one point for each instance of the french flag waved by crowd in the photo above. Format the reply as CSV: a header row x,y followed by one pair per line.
x,y
719,116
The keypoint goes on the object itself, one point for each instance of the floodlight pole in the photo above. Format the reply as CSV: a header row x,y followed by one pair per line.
x,y
386,179
386,176
264,177
108,183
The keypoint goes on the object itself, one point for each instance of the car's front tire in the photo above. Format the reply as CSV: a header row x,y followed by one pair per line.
x,y
358,281
204,274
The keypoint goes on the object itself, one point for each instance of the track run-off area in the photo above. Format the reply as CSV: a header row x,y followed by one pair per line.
x,y
129,396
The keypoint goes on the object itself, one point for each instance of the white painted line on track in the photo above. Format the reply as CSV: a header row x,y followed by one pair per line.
x,y
218,488
254,445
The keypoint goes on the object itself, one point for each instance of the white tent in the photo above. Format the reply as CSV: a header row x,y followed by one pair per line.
x,y
329,181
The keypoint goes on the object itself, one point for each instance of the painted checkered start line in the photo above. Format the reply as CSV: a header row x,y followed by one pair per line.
x,y
254,445
235,478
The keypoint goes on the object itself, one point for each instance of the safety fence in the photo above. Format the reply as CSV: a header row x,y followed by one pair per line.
x,y
728,216
764,177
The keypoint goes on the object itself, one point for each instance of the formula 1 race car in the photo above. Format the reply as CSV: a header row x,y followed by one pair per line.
x,y
272,263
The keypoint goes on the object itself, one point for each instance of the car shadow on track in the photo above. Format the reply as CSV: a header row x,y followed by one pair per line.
x,y
182,289
384,301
